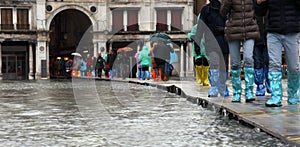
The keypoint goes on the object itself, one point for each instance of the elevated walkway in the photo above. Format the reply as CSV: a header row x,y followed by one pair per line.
x,y
281,122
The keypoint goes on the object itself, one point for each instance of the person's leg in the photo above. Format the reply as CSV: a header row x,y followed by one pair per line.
x,y
248,69
205,70
266,69
213,74
275,74
291,46
139,73
235,63
223,88
198,69
258,70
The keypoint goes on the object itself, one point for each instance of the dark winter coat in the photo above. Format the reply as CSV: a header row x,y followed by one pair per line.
x,y
262,41
216,23
99,63
283,15
241,24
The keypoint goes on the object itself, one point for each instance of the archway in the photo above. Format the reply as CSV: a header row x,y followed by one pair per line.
x,y
66,31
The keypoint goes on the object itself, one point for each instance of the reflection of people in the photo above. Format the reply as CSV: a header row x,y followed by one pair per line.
x,y
240,30
217,50
282,31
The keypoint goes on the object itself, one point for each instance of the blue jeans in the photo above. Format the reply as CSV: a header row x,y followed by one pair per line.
x,y
261,57
139,73
235,57
291,48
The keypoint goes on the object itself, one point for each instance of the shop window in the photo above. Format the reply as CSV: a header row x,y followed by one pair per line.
x,y
6,19
22,19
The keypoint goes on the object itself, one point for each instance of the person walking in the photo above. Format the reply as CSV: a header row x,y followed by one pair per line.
x,y
138,64
261,60
240,28
82,69
145,61
200,58
212,26
282,31
99,65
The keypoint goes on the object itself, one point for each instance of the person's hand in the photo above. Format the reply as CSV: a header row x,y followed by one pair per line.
x,y
260,1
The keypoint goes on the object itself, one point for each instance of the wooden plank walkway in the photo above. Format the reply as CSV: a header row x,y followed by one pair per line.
x,y
281,122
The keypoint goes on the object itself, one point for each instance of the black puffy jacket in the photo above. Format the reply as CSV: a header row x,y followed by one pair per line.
x,y
283,16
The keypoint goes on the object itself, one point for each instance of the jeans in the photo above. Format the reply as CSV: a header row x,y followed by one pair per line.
x,y
235,57
261,57
290,42
139,73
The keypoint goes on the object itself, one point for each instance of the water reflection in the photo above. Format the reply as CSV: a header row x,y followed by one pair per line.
x,y
89,113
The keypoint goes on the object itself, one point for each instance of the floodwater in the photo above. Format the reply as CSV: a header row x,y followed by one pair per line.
x,y
83,112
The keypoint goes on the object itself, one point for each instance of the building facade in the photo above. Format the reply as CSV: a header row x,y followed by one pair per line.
x,y
35,32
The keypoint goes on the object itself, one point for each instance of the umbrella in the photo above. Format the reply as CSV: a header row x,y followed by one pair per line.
x,y
158,36
76,54
124,49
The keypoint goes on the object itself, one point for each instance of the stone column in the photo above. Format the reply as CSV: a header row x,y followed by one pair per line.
x,y
169,20
125,20
189,58
0,61
182,59
30,74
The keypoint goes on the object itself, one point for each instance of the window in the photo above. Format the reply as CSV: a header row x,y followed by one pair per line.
x,y
169,19
176,20
6,19
22,19
132,20
117,20
161,24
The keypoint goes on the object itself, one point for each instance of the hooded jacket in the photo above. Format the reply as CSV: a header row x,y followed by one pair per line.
x,y
240,24
144,57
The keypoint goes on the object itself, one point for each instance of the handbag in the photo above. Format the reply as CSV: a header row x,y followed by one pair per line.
x,y
173,57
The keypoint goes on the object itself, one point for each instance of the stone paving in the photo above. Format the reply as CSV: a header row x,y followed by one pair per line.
x,y
282,122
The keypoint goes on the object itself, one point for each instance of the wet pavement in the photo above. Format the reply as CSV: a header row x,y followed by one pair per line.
x,y
86,112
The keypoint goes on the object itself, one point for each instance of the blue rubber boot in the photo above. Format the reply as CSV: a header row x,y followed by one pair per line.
x,y
259,81
214,80
249,81
276,88
223,88
236,85
267,81
293,88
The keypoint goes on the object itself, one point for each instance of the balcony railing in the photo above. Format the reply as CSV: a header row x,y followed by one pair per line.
x,y
23,26
7,26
